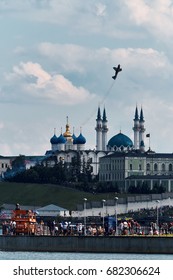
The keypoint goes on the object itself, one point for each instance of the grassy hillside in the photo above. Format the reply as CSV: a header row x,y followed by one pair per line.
x,y
41,195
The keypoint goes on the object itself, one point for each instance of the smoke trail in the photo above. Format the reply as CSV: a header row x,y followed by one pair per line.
x,y
100,103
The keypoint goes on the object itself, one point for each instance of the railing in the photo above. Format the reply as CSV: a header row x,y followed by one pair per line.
x,y
94,230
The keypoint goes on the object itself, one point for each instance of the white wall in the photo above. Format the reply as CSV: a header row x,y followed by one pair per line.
x,y
123,208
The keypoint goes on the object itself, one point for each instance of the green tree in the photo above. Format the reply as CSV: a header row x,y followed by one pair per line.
x,y
18,163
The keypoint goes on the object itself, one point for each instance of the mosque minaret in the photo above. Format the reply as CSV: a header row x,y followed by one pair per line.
x,y
98,131
142,128
136,130
104,131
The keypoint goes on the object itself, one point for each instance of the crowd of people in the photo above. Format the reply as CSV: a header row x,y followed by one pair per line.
x,y
124,227
129,227
106,226
8,227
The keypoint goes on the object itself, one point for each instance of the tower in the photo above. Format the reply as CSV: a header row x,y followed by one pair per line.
x,y
141,128
104,131
68,136
136,130
98,129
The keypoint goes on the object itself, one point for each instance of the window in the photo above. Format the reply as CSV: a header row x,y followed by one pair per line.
x,y
131,166
170,167
148,167
163,167
140,166
155,167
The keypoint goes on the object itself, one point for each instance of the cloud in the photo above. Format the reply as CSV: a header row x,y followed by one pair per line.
x,y
149,61
69,56
84,17
100,9
1,125
97,17
92,67
74,58
31,80
155,16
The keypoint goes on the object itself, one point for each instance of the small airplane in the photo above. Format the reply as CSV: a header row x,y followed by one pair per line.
x,y
117,70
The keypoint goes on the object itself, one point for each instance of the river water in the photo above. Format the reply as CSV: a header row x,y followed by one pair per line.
x,y
80,256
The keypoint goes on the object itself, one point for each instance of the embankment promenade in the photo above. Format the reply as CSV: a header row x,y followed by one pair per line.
x,y
89,244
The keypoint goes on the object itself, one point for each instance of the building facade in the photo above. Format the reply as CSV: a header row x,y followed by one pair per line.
x,y
135,167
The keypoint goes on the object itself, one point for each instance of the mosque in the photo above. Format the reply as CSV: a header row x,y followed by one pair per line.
x,y
118,160
67,144
120,142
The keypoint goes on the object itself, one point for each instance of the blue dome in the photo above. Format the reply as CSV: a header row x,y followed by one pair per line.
x,y
120,140
54,140
74,139
80,139
61,139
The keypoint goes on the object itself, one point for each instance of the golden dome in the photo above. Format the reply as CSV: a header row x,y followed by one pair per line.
x,y
67,134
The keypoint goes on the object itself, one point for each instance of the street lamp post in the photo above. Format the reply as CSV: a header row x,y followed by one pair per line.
x,y
116,220
157,210
85,200
103,200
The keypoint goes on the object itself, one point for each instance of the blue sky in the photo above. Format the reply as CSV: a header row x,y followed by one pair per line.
x,y
56,61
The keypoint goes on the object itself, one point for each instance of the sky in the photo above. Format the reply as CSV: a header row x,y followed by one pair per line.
x,y
57,59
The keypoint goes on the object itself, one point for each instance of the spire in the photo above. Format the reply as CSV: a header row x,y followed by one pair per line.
x,y
141,115
136,114
98,129
73,136
104,131
98,114
67,133
104,115
136,129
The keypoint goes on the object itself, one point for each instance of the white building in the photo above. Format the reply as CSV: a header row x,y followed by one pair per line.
x,y
67,145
